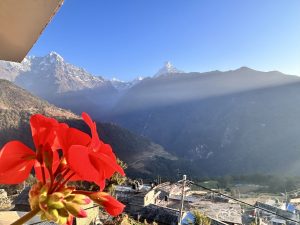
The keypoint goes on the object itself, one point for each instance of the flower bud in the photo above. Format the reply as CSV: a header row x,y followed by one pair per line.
x,y
79,199
82,199
55,200
67,191
63,212
43,193
62,220
43,216
75,210
59,206
52,214
34,195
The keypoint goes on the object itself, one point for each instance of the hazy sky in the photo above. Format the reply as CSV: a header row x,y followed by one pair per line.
x,y
130,38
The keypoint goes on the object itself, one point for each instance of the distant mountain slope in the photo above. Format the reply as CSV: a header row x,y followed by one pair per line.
x,y
125,85
60,82
16,106
240,121
49,73
167,69
185,87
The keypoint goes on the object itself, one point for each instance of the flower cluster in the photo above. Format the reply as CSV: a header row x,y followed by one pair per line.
x,y
62,154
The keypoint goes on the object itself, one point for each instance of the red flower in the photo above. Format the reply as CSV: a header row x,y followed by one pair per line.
x,y
17,160
92,161
84,158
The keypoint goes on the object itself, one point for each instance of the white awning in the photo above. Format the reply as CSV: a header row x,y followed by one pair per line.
x,y
21,23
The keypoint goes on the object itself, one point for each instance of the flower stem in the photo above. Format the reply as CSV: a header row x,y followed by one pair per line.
x,y
26,217
65,181
43,174
62,176
82,192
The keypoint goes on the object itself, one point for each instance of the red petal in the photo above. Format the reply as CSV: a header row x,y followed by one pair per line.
x,y
106,149
17,175
110,204
16,161
96,144
13,154
71,136
38,171
74,177
105,165
78,159
43,132
113,206
95,138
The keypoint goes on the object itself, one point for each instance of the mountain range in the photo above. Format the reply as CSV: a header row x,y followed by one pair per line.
x,y
216,123
17,105
61,83
241,121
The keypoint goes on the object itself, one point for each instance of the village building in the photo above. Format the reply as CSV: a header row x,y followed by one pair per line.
x,y
21,203
266,213
276,221
168,216
160,215
168,189
296,201
229,213
216,207
189,218
5,202
275,209
136,198
160,204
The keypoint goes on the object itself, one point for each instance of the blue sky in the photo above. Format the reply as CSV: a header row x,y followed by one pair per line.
x,y
126,39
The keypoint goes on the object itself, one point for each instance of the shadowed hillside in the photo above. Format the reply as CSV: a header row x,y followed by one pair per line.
x,y
17,105
234,122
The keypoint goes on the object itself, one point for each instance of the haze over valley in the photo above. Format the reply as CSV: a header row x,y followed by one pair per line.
x,y
241,121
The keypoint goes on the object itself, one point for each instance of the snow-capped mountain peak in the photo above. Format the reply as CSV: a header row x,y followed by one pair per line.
x,y
55,57
49,74
168,68
140,78
125,85
114,79
168,65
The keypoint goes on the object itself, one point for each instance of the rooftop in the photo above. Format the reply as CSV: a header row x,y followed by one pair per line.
x,y
158,214
226,212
